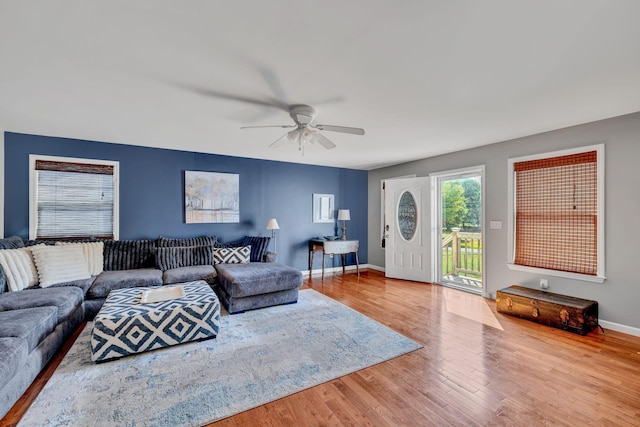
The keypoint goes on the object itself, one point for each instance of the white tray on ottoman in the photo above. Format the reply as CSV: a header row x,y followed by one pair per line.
x,y
124,325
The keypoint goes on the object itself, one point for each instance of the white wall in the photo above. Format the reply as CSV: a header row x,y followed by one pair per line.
x,y
619,295
1,182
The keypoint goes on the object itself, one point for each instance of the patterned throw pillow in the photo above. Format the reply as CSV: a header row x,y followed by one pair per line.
x,y
183,256
239,255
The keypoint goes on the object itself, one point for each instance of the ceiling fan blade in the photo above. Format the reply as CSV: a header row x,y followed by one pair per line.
x,y
269,126
324,141
278,142
212,93
343,129
274,83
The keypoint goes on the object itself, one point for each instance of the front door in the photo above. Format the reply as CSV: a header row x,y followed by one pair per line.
x,y
406,232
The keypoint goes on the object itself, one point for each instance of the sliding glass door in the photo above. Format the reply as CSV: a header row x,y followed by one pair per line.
x,y
459,210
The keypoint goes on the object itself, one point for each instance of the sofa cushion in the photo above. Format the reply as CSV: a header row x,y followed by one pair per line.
x,y
30,324
59,264
241,280
183,256
93,254
129,254
19,268
109,280
65,300
13,356
258,245
13,242
239,255
83,284
165,242
189,274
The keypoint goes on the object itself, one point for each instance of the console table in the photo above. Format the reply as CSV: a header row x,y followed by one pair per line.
x,y
333,247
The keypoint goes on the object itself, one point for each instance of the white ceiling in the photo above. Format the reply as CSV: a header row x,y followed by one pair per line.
x,y
423,77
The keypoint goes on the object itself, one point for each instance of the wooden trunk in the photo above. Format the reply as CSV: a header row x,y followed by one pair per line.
x,y
563,312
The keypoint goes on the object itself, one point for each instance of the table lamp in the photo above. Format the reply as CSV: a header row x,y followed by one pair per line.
x,y
344,215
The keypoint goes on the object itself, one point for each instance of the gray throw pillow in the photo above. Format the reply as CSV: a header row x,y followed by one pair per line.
x,y
183,256
13,242
166,242
128,254
258,245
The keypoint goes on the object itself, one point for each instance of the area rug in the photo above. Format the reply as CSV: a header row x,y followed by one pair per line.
x,y
259,356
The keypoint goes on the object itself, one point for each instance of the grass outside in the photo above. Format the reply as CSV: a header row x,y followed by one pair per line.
x,y
472,261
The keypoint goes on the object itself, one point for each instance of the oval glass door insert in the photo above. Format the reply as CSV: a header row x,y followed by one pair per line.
x,y
407,216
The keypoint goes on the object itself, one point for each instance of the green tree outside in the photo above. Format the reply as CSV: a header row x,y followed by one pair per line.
x,y
462,208
473,202
453,204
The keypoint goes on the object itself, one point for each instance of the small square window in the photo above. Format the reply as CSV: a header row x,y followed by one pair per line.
x,y
73,198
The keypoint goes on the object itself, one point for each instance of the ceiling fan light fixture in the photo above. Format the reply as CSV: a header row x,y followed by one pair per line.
x,y
305,130
308,134
293,135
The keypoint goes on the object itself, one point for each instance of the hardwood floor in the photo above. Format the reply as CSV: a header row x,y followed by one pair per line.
x,y
477,368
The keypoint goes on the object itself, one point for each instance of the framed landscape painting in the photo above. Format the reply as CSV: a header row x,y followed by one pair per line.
x,y
211,197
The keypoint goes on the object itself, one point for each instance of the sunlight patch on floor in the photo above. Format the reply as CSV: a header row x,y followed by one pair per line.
x,y
472,307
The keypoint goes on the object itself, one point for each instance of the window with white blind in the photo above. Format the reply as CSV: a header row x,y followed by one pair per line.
x,y
73,198
557,226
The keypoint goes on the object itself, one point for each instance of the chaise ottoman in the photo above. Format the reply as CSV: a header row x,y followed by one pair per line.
x,y
256,285
127,325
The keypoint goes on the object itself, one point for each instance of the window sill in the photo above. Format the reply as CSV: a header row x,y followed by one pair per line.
x,y
556,273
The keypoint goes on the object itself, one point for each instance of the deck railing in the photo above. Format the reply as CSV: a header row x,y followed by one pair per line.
x,y
462,253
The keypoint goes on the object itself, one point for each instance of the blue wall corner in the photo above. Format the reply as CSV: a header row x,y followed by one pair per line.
x,y
152,193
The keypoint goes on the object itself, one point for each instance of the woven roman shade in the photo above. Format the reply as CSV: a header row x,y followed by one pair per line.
x,y
556,203
74,200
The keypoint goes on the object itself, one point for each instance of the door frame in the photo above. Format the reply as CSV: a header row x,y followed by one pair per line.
x,y
436,219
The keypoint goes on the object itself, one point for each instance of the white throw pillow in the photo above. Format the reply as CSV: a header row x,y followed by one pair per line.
x,y
59,264
93,254
18,268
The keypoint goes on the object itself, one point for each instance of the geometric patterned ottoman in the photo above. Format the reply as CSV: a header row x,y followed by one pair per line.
x,y
125,326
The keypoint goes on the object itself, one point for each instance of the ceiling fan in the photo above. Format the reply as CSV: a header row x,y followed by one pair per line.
x,y
306,130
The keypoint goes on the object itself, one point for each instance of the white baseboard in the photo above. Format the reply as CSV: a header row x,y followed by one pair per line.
x,y
630,330
332,270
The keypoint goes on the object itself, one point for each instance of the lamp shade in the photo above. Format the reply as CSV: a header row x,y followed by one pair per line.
x,y
273,224
344,215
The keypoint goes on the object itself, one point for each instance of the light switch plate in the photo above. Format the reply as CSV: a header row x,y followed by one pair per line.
x,y
495,225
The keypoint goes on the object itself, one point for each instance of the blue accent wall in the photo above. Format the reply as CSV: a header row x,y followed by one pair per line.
x,y
152,193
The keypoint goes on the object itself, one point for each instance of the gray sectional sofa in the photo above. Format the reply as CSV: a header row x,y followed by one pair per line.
x,y
35,322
